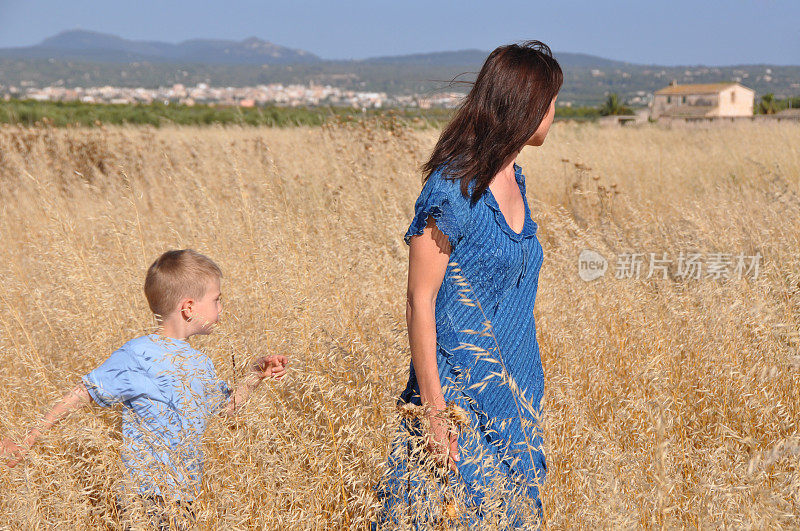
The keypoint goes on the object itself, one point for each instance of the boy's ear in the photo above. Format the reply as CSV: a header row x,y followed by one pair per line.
x,y
186,309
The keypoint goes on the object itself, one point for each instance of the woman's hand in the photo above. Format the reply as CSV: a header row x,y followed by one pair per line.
x,y
443,439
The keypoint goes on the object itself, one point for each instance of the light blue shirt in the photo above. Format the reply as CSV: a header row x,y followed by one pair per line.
x,y
167,390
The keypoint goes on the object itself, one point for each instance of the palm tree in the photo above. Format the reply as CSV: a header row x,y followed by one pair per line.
x,y
767,105
612,106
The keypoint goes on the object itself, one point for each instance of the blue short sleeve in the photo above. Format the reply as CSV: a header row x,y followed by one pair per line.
x,y
442,200
114,381
223,393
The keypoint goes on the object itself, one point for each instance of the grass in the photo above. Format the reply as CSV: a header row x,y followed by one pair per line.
x,y
668,403
33,113
78,114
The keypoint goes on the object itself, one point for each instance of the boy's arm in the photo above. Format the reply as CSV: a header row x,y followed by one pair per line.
x,y
74,399
274,366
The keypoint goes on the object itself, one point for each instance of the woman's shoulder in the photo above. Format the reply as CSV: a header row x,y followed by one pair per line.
x,y
439,183
441,199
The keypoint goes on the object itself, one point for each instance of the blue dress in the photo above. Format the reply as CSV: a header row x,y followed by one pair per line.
x,y
496,375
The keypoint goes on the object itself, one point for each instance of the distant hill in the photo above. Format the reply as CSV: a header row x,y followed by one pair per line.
x,y
461,57
84,58
80,45
477,57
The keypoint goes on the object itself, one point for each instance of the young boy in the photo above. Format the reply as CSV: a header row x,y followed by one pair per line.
x,y
168,389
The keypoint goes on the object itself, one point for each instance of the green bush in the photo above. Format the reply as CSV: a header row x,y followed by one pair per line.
x,y
61,114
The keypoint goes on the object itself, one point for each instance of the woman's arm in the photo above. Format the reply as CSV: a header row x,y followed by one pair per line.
x,y
75,399
428,257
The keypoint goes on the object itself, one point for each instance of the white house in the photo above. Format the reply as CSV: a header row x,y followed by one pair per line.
x,y
703,101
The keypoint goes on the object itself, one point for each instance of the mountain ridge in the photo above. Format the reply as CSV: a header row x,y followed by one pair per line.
x,y
88,45
80,59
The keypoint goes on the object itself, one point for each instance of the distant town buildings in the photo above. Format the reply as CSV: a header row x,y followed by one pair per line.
x,y
272,94
702,101
681,102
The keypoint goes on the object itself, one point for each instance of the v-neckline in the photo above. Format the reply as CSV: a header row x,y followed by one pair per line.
x,y
524,206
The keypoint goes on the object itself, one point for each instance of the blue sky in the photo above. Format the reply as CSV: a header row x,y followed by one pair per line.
x,y
666,32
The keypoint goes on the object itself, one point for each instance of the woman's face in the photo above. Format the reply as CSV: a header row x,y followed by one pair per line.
x,y
538,137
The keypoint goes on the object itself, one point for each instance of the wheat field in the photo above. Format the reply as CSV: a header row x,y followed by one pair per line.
x,y
669,403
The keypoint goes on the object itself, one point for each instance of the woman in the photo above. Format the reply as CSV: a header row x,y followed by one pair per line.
x,y
474,265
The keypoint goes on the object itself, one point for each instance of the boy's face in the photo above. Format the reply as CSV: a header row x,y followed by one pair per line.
x,y
207,309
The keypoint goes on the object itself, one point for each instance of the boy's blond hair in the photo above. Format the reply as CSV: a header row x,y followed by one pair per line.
x,y
176,275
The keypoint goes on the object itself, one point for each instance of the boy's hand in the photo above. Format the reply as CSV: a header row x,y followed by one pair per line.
x,y
260,368
274,366
12,452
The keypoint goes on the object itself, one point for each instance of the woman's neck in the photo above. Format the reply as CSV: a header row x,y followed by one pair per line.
x,y
507,170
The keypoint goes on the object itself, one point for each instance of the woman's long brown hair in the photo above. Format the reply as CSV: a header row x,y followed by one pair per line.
x,y
505,106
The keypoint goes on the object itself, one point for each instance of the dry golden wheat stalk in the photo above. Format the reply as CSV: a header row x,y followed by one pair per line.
x,y
666,400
